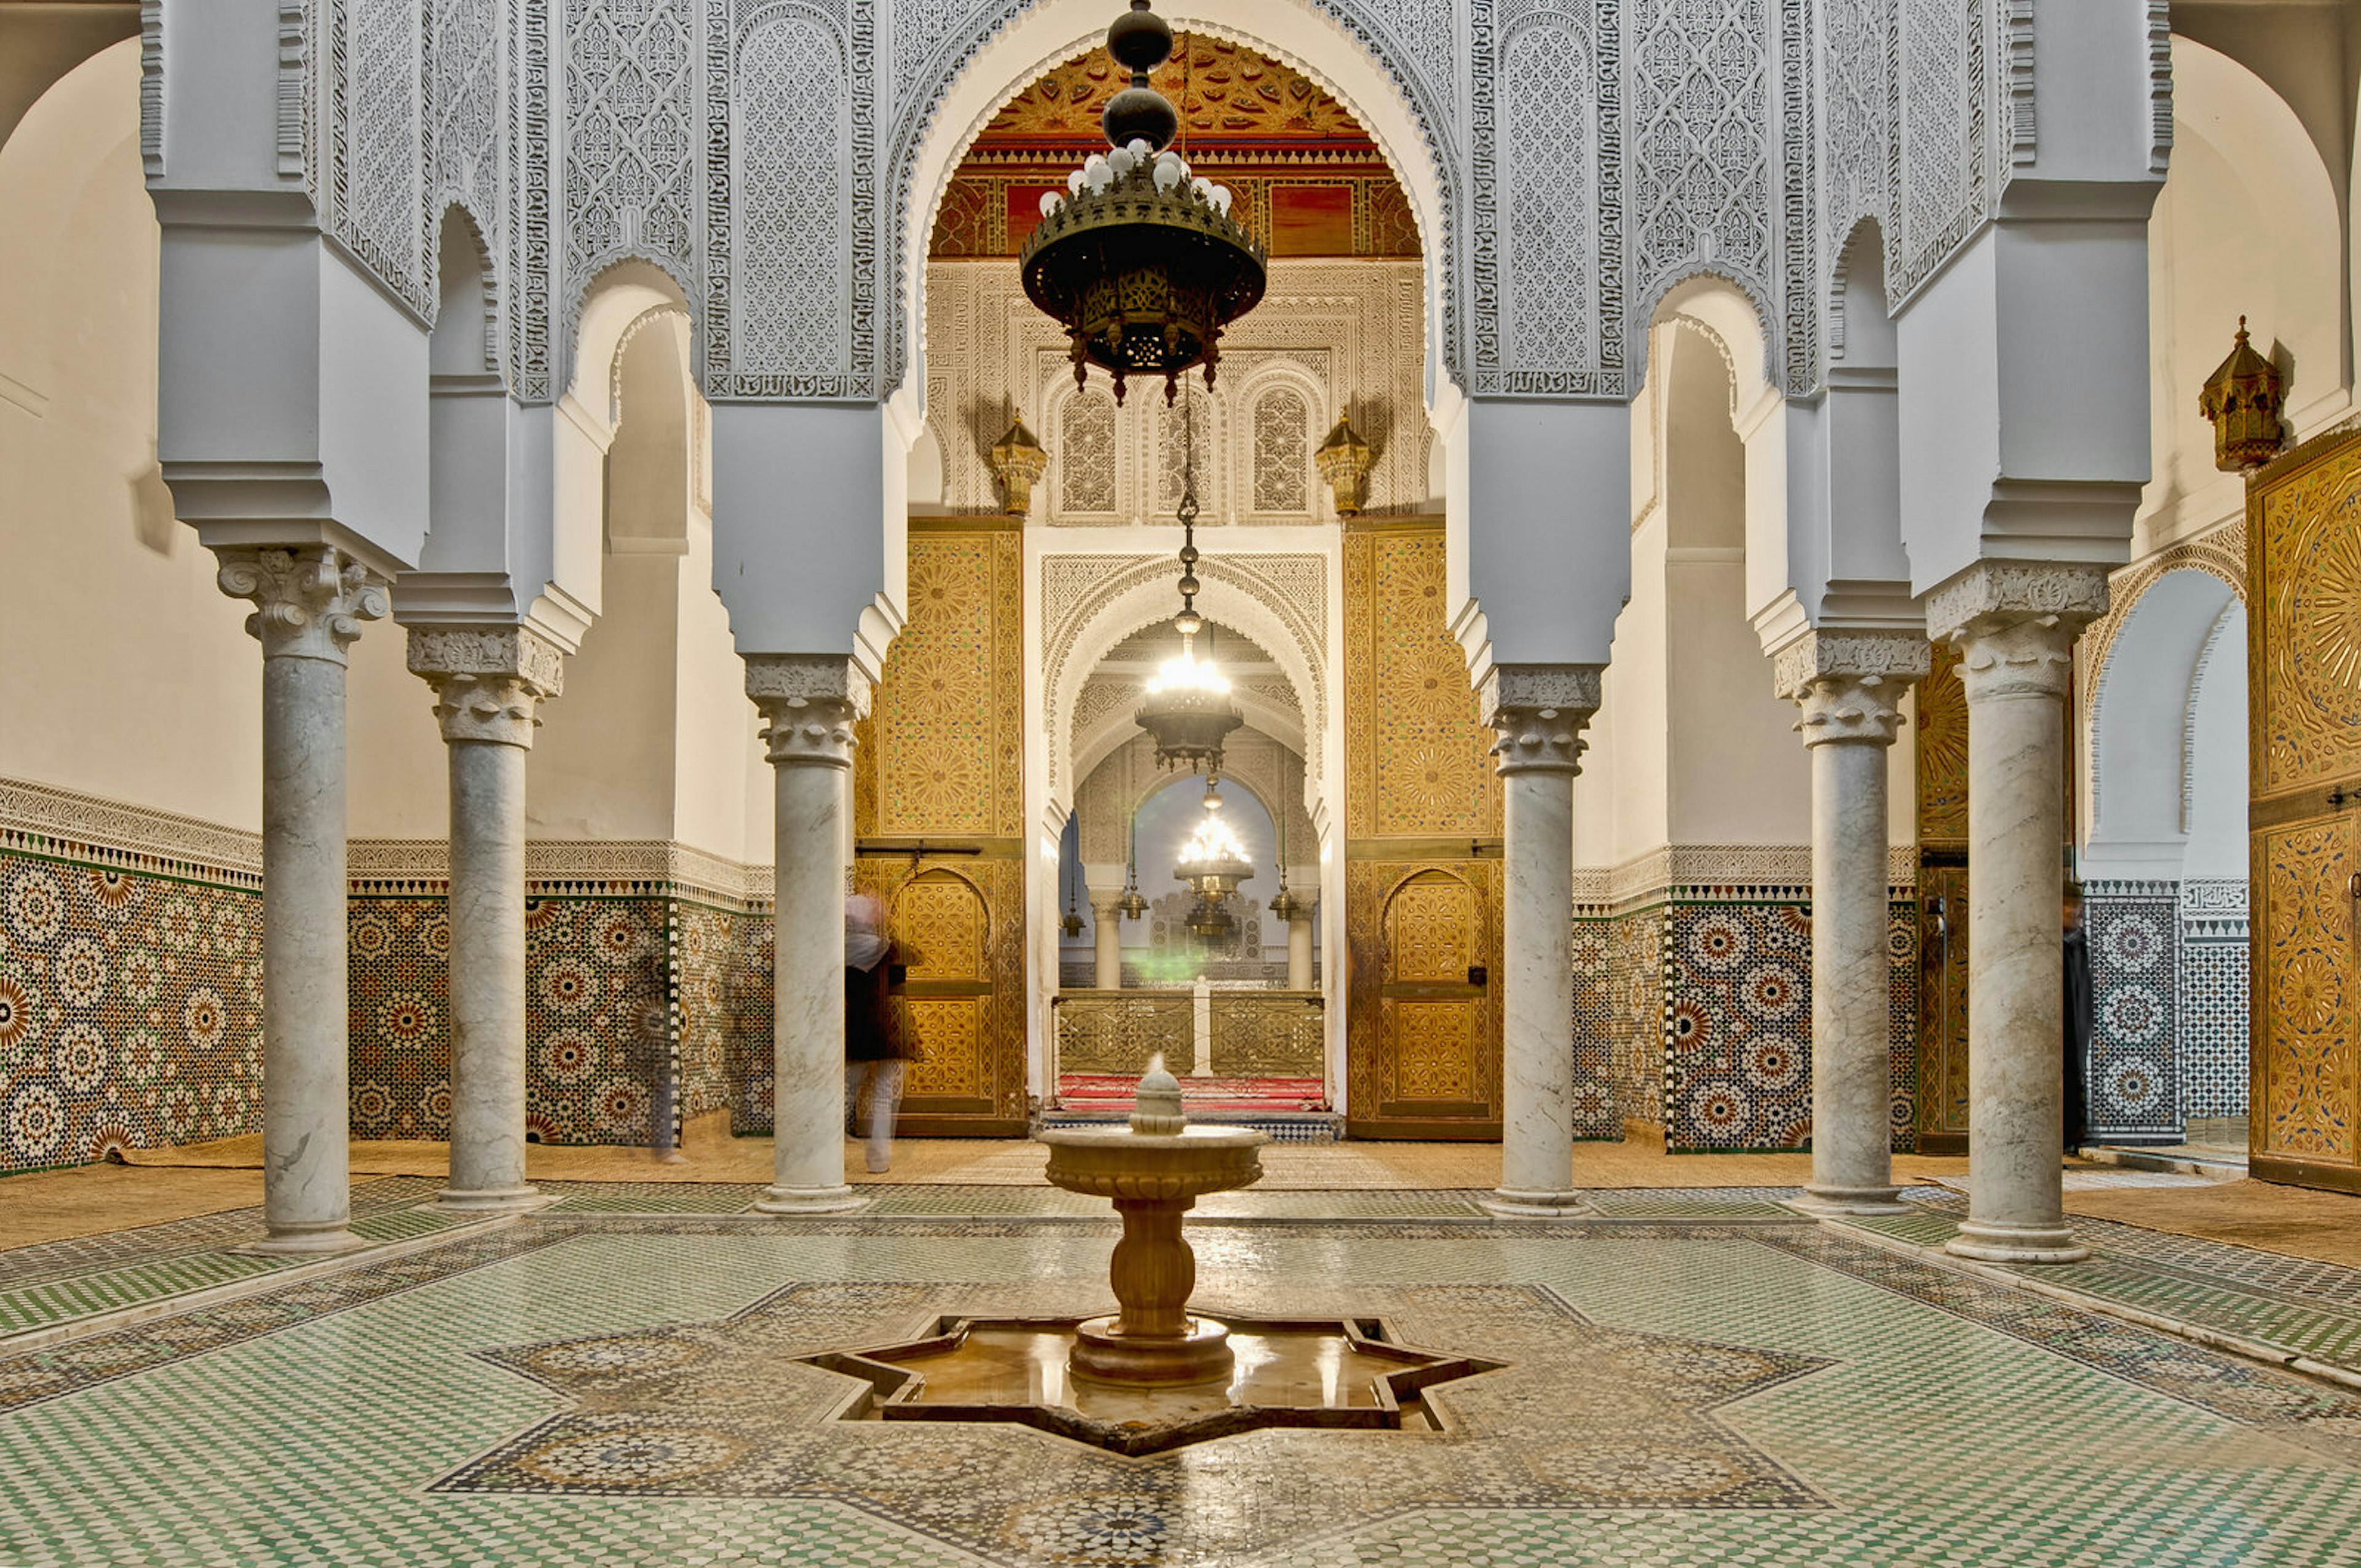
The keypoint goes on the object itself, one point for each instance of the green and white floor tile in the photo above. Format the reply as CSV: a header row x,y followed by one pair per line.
x,y
1918,1416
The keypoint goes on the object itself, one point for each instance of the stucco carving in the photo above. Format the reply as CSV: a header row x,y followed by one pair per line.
x,y
489,680
1539,712
309,603
1076,590
1332,333
765,152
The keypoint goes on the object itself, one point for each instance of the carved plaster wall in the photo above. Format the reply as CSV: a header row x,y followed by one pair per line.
x,y
776,156
1329,335
1087,606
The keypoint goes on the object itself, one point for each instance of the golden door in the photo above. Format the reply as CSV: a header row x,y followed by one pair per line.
x,y
1425,988
2303,571
959,994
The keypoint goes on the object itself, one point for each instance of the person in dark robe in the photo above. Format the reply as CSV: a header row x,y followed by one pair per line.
x,y
2079,1019
878,1039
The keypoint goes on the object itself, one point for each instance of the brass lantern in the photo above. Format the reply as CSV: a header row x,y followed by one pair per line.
x,y
1345,460
1140,260
1017,461
2244,398
1212,863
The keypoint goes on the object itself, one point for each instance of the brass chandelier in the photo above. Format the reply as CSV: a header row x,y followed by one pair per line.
x,y
1212,862
1140,260
1189,710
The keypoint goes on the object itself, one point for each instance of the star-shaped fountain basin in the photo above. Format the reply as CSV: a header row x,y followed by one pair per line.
x,y
1340,1373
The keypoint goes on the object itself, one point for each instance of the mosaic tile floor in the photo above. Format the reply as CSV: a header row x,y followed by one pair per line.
x,y
1721,1388
2293,1306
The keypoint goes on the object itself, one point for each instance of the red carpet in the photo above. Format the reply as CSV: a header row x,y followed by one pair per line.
x,y
1089,1093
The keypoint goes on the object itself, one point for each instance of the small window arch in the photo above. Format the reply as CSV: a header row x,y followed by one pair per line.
x,y
1282,452
1085,454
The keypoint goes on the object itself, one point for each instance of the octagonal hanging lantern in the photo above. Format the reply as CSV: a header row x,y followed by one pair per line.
x,y
2244,398
1140,260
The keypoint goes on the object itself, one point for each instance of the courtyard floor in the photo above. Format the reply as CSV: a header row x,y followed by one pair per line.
x,y
1694,1373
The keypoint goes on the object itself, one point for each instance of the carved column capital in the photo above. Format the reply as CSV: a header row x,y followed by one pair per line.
x,y
310,600
2014,623
489,680
1848,685
810,703
1539,712
1106,901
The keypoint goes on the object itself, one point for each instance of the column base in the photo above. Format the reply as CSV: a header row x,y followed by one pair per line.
x,y
1988,1242
1513,1204
807,1200
332,1236
1818,1199
490,1199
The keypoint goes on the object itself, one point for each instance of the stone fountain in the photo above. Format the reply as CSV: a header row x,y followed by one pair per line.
x,y
1152,1376
1155,1171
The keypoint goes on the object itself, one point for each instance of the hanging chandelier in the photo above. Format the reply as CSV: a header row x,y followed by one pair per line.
x,y
1212,862
1189,710
1140,260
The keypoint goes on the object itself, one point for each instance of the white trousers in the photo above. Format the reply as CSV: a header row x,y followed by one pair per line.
x,y
883,1081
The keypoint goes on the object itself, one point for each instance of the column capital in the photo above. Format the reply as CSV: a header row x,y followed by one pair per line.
x,y
1539,712
310,600
1848,685
808,703
488,680
1104,902
2014,623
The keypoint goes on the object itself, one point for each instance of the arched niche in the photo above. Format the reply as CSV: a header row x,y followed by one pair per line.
x,y
2148,775
1238,592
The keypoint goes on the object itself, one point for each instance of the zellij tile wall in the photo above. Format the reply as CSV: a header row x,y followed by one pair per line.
x,y
130,1007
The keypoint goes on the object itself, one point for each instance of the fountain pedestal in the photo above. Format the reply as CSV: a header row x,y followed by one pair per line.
x,y
1154,1172
1153,1338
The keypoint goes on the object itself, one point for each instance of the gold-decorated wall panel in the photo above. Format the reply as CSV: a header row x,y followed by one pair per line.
x,y
943,750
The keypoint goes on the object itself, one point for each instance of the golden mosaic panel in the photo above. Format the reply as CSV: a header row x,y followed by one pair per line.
x,y
1430,930
1418,756
1941,735
2305,1067
1434,1049
942,922
952,1031
2304,545
943,750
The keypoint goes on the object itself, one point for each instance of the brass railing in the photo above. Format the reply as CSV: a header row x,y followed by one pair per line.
x,y
1254,1033
1270,1034
1117,1031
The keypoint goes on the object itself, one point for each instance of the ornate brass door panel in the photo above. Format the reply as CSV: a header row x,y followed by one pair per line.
x,y
2304,542
1421,877
1426,951
1942,1004
940,764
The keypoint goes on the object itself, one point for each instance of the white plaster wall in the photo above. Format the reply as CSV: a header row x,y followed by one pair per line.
x,y
397,772
124,672
602,763
716,721
2217,777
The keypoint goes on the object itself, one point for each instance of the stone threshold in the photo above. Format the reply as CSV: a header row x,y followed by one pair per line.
x,y
2285,1358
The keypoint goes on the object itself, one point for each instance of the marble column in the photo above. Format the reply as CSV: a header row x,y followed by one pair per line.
x,y
2014,624
809,705
1299,945
487,682
309,605
1848,687
1107,936
1538,711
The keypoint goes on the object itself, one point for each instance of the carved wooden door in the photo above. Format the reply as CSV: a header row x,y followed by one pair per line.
x,y
1438,1064
1942,1003
943,922
2303,542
